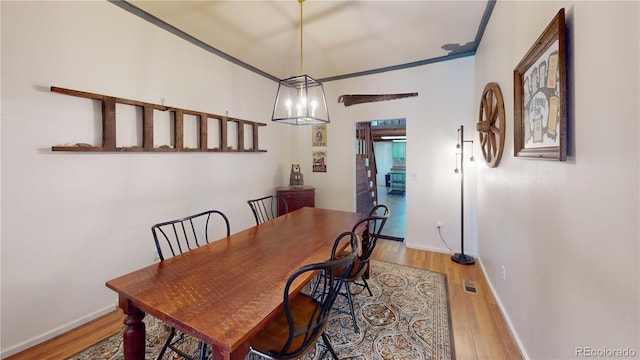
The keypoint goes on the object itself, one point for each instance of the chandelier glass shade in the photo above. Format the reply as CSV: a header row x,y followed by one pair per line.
x,y
300,100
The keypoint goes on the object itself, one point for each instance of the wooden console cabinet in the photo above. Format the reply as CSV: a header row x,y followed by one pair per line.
x,y
297,197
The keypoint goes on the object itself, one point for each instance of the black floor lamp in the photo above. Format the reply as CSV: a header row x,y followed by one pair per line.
x,y
461,257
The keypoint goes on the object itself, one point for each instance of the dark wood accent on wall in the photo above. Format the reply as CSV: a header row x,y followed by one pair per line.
x,y
366,169
364,201
349,100
177,115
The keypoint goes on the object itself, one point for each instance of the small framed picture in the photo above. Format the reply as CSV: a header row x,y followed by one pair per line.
x,y
320,161
540,110
319,135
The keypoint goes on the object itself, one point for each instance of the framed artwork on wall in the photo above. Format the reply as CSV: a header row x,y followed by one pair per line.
x,y
540,109
319,135
320,161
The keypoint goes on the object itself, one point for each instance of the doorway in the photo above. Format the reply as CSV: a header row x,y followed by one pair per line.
x,y
387,158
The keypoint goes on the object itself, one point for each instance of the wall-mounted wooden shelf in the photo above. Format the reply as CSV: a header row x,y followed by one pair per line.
x,y
177,116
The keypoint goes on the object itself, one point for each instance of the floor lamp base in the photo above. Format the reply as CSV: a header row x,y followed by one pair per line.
x,y
463,259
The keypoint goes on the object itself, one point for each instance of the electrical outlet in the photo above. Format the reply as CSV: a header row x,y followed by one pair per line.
x,y
503,271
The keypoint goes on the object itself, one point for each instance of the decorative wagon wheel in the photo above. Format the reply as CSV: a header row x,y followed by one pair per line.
x,y
490,126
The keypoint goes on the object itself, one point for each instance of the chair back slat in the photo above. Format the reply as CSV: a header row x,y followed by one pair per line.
x,y
373,226
333,274
268,207
178,236
380,210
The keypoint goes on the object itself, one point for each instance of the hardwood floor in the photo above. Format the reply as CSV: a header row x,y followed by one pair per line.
x,y
80,338
479,329
396,224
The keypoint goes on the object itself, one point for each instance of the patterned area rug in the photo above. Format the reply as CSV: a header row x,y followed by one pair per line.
x,y
407,317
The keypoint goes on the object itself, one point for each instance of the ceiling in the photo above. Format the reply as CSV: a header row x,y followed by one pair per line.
x,y
340,38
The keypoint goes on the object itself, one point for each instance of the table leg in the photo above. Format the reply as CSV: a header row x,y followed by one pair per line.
x,y
366,272
239,354
134,331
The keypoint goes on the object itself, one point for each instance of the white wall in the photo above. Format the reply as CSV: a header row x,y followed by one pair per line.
x,y
384,160
71,221
444,103
567,232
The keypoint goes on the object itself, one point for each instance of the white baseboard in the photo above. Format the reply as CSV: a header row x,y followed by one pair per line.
x,y
433,249
55,332
523,352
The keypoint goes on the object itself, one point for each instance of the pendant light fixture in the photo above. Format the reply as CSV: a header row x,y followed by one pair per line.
x,y
300,100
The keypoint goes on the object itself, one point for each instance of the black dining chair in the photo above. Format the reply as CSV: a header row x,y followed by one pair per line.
x,y
303,318
268,207
187,233
178,236
373,226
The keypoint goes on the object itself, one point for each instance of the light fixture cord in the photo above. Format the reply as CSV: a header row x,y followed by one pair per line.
x,y
301,55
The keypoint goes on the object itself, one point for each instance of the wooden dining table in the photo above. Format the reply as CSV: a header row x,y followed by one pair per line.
x,y
223,293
